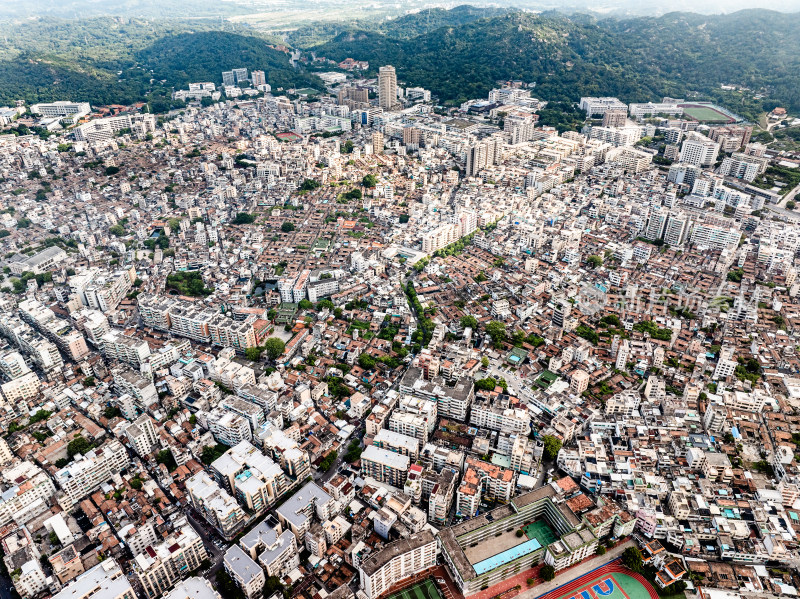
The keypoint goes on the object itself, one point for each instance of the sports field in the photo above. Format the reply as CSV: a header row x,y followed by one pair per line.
x,y
612,581
706,114
540,531
423,590
288,136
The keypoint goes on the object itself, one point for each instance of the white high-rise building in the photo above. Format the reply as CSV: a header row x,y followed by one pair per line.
x,y
159,567
397,562
483,154
699,151
623,352
387,87
87,472
142,435
105,581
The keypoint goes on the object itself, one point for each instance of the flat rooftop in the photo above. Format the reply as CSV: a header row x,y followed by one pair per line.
x,y
507,556
493,546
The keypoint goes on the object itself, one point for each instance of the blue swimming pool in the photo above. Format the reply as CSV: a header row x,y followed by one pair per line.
x,y
509,555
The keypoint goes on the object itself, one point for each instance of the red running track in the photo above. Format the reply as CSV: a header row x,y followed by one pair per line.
x,y
609,568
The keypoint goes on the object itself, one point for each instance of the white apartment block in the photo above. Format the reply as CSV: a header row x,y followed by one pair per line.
x,y
71,110
715,236
507,420
245,572
87,472
599,106
253,478
228,428
106,580
410,425
217,506
100,130
275,549
23,388
396,562
385,466
398,443
296,513
142,435
26,492
440,237
623,136
159,567
117,346
698,150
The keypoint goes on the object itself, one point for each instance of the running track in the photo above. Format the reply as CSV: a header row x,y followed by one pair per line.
x,y
609,568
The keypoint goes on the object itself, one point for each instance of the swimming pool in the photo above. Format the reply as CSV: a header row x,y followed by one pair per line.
x,y
509,555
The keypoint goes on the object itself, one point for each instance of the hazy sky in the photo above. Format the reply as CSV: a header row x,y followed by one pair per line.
x,y
197,8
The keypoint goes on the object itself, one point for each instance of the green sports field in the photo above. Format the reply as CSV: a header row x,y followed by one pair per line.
x,y
621,586
706,115
540,531
423,590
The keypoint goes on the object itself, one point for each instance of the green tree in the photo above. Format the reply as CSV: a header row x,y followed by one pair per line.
x,y
309,185
497,331
253,353
632,559
227,587
79,445
117,230
287,227
594,261
304,304
274,348
469,321
243,218
369,180
552,445
366,361
547,572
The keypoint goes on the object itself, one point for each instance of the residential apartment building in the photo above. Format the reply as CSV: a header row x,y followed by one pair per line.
x,y
385,466
106,580
141,435
396,562
698,150
87,472
297,512
26,492
275,549
398,443
245,572
254,479
217,506
162,565
387,87
228,428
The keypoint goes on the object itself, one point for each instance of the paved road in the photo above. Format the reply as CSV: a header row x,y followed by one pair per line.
x,y
215,555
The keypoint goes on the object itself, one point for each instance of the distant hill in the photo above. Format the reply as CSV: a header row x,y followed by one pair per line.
x,y
189,57
404,27
116,75
636,59
458,54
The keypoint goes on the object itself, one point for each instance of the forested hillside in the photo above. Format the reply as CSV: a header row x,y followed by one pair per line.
x,y
458,54
188,57
106,61
567,57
